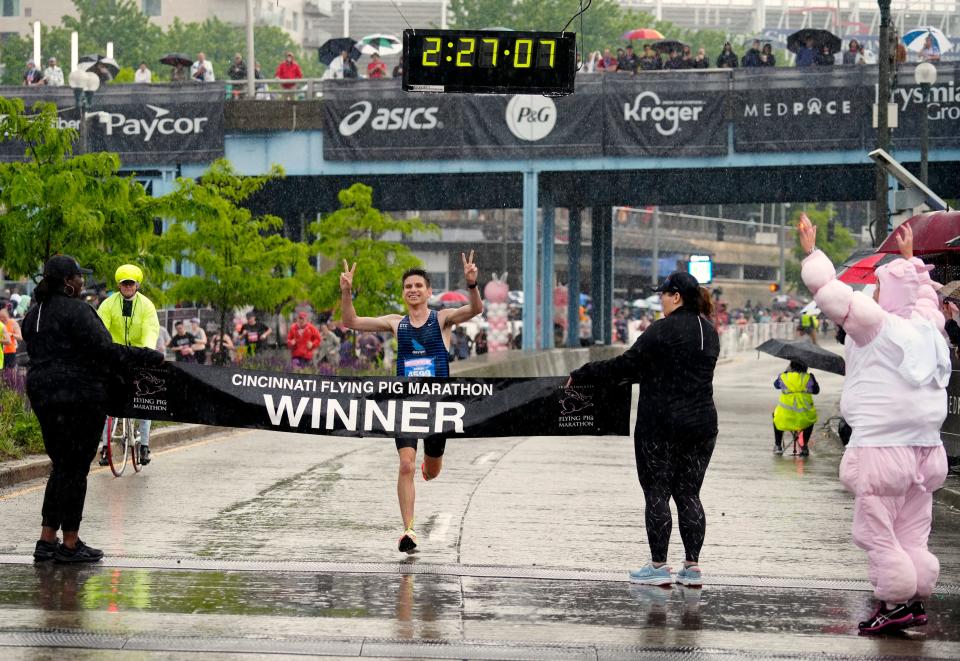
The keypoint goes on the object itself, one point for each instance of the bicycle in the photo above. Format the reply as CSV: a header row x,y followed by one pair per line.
x,y
123,436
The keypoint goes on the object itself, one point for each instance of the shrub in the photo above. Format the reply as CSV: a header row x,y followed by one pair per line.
x,y
19,428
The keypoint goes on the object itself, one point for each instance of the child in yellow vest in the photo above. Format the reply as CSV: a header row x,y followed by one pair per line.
x,y
795,410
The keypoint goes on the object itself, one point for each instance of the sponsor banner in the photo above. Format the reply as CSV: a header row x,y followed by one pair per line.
x,y
158,124
950,432
377,121
387,407
660,118
68,116
534,126
801,118
943,115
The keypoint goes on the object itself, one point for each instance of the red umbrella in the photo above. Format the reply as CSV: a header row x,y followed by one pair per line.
x,y
859,270
932,233
453,297
642,33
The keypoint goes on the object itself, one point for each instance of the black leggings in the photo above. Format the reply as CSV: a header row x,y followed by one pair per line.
x,y
71,434
673,468
807,434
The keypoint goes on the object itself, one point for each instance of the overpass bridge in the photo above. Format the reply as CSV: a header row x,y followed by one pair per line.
x,y
659,138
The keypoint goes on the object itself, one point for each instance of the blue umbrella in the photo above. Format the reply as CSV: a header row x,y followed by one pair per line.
x,y
914,39
584,299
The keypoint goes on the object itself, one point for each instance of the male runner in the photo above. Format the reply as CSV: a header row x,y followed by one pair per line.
x,y
132,320
423,345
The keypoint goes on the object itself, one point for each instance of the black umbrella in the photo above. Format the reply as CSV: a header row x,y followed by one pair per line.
x,y
173,59
668,45
806,352
105,67
331,49
820,38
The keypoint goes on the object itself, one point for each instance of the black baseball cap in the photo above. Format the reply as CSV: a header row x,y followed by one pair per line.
x,y
63,266
679,282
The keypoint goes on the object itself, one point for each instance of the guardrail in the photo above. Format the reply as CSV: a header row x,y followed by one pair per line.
x,y
736,339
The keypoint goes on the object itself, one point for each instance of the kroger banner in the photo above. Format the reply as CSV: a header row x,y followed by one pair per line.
x,y
158,124
387,407
665,116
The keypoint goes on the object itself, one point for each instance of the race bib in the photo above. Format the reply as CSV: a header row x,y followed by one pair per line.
x,y
419,367
252,337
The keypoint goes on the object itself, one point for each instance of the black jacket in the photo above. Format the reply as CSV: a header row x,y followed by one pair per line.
x,y
673,361
73,359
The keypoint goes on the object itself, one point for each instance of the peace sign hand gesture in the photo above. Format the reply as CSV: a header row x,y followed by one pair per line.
x,y
346,277
470,271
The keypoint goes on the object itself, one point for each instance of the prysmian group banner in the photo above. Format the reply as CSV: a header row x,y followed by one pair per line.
x,y
389,407
660,117
943,115
801,118
158,124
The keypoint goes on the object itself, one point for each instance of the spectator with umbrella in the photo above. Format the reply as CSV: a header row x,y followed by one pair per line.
x,y
824,57
179,62
334,53
376,68
927,41
929,52
649,61
106,68
752,57
809,44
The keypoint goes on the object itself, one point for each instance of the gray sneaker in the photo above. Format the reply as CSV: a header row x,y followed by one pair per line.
x,y
650,575
690,576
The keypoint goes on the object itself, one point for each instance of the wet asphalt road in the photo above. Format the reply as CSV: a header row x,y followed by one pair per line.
x,y
288,542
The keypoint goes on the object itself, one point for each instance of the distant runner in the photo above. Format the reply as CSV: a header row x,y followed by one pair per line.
x,y
423,345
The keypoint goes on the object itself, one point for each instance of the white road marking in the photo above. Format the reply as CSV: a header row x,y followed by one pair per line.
x,y
439,532
484,458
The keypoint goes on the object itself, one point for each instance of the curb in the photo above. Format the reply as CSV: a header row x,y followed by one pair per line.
x,y
37,466
949,494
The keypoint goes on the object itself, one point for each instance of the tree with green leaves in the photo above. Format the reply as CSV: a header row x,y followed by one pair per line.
x,y
604,23
55,202
241,259
356,233
833,239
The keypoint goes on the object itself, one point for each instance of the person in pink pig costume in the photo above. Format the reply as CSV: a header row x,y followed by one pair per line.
x,y
496,293
894,398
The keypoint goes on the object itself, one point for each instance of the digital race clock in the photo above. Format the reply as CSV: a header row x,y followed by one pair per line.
x,y
489,61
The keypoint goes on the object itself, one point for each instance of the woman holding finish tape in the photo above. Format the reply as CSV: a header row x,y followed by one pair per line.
x,y
73,359
673,361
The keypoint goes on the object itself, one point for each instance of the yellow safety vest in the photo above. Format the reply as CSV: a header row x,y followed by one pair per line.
x,y
795,410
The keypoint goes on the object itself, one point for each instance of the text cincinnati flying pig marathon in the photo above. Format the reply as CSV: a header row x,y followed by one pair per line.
x,y
446,389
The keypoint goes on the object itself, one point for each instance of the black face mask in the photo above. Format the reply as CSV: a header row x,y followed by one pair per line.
x,y
127,308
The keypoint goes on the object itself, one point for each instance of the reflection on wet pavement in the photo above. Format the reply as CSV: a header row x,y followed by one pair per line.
x,y
413,603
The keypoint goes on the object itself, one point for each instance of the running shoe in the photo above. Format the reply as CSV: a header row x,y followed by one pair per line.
x,y
423,471
79,553
104,460
408,541
144,455
45,550
919,614
888,620
690,576
804,451
777,447
650,575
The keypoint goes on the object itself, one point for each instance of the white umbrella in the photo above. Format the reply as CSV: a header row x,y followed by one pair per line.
x,y
915,39
382,44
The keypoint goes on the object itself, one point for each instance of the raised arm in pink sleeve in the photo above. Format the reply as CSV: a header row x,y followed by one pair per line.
x,y
861,316
928,304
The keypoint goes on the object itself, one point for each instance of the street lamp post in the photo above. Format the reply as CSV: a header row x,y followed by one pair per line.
x,y
925,76
84,84
883,130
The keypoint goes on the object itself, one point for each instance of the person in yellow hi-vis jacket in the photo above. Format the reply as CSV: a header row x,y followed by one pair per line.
x,y
795,410
132,321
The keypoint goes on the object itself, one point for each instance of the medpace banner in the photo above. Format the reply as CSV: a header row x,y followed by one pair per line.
x,y
158,124
389,407
801,118
664,117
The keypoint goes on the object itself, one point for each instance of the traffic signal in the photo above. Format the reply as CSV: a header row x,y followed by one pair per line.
x,y
774,287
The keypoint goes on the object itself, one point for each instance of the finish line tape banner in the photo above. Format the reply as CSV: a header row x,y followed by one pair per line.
x,y
371,406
